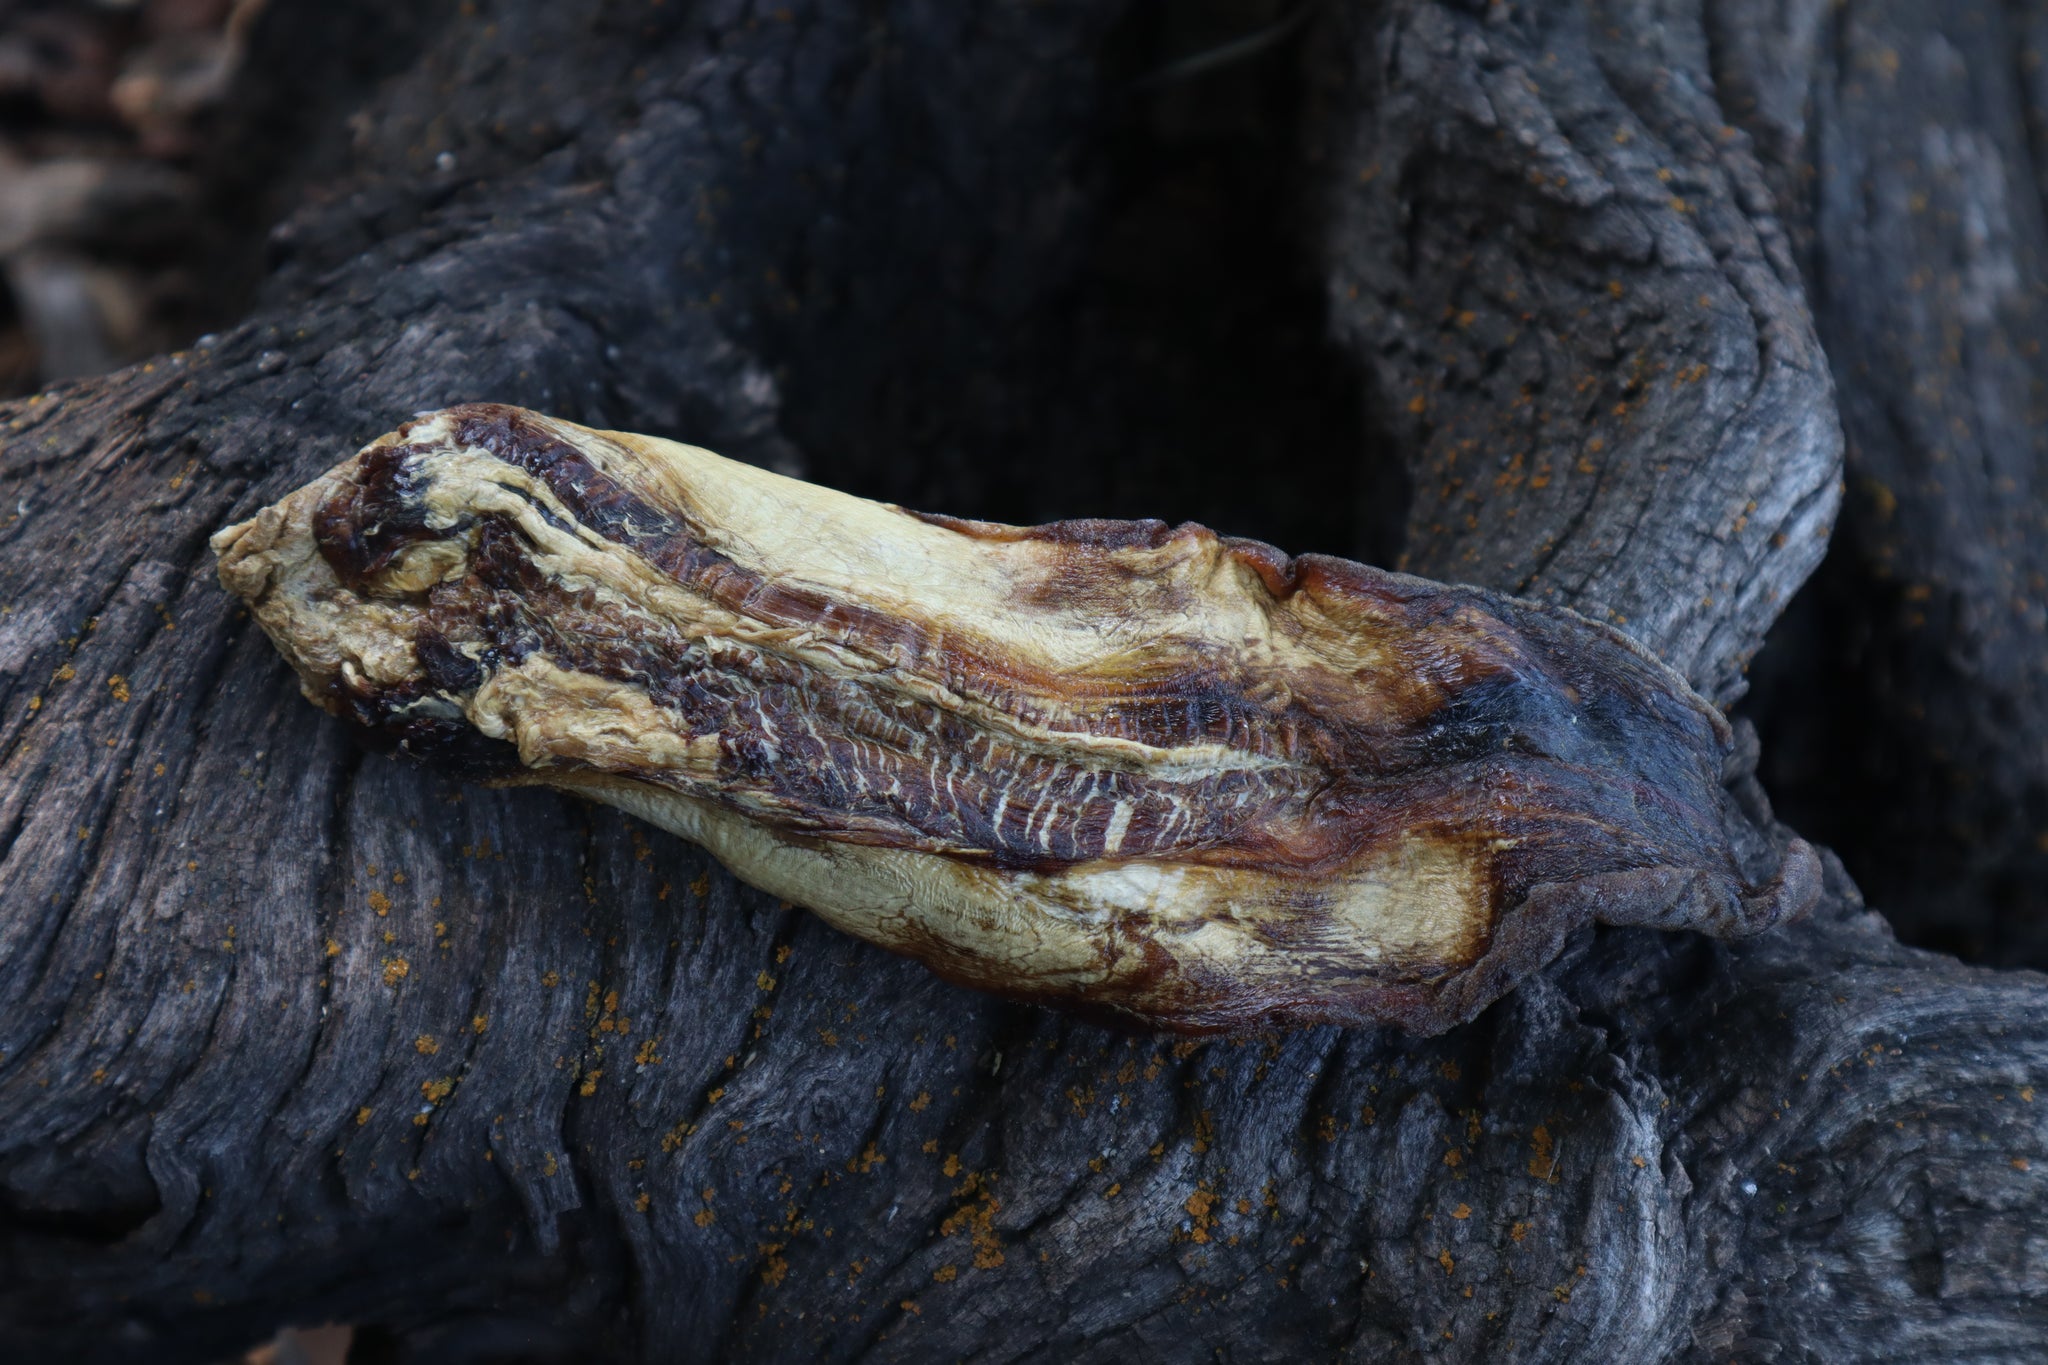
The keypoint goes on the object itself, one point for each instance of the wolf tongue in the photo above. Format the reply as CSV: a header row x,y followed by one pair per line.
x,y
1146,771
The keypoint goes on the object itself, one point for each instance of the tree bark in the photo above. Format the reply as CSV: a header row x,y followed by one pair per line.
x,y
290,1033
1908,716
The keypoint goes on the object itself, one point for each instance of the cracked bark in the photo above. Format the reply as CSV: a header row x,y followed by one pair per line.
x,y
292,1033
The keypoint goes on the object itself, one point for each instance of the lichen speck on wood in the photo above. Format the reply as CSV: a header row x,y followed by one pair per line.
x,y
1144,771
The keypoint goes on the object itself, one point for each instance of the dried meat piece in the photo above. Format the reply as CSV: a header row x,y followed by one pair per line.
x,y
1145,771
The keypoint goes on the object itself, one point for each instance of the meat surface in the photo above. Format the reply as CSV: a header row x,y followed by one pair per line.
x,y
1145,771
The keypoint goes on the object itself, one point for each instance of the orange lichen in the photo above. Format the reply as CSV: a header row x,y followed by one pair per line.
x,y
977,1219
1200,1206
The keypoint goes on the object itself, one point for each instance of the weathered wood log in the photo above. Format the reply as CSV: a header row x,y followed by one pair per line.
x,y
1565,271
269,1053
1908,719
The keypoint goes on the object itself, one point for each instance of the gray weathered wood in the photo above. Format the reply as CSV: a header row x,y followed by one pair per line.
x,y
1909,719
289,1032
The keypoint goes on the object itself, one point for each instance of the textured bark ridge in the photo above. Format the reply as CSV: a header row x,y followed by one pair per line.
x,y
1149,771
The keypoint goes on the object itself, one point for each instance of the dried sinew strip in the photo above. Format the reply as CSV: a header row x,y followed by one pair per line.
x,y
1146,771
